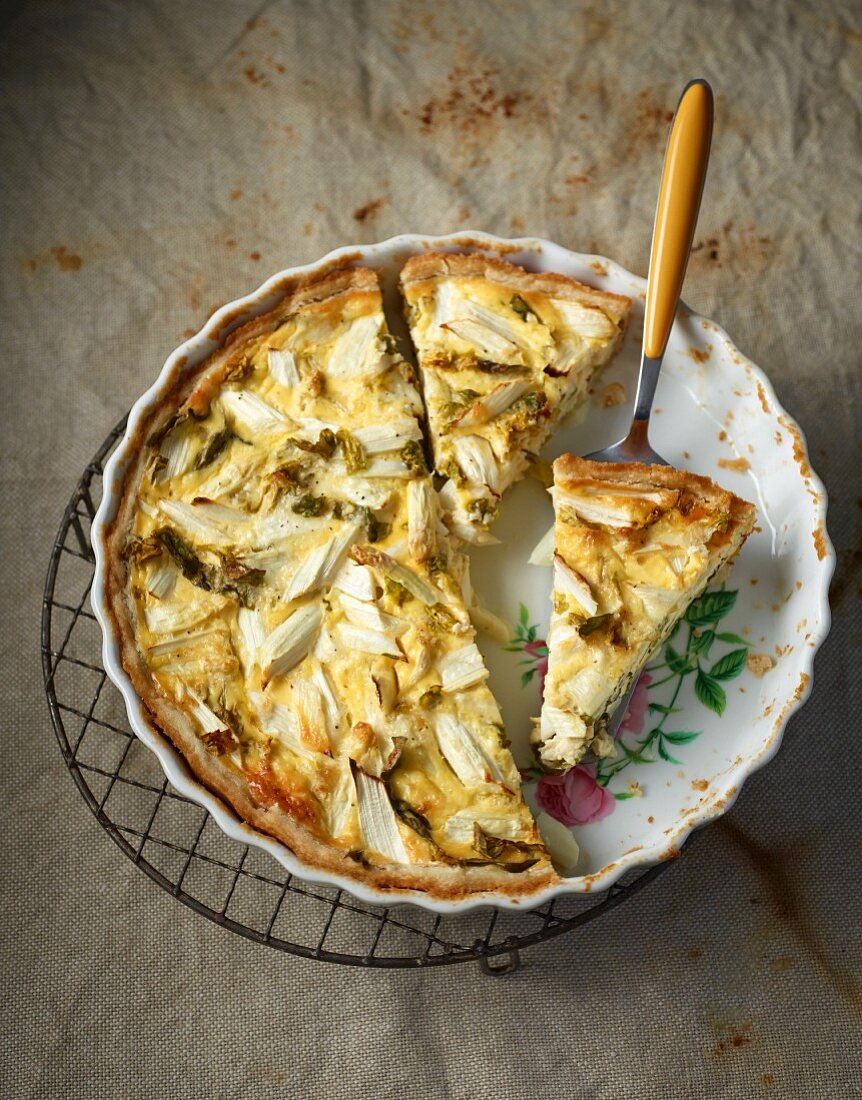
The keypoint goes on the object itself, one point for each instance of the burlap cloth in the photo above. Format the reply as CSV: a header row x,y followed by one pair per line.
x,y
161,158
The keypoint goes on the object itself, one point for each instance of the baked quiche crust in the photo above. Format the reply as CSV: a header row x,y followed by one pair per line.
x,y
288,608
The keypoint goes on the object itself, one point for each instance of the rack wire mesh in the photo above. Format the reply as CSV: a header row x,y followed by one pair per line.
x,y
176,842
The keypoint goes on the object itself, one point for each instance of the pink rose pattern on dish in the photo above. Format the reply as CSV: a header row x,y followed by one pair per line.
x,y
575,798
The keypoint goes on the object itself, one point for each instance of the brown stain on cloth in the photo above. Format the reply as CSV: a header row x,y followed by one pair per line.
x,y
775,868
586,176
731,1036
368,212
473,96
740,247
653,112
255,76
66,260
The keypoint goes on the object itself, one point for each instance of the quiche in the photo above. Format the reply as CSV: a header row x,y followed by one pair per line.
x,y
503,355
290,607
633,545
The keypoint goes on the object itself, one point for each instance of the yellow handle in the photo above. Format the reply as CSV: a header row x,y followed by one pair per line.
x,y
678,205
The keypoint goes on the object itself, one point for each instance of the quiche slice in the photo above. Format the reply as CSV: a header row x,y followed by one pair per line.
x,y
504,355
633,545
289,609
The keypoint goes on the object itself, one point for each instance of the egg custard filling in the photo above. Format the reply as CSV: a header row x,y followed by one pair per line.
x,y
504,355
291,608
289,589
632,547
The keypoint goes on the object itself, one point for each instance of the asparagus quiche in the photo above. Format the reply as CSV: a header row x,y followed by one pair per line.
x,y
291,614
504,355
633,545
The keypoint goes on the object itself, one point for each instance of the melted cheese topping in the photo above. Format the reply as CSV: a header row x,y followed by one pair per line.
x,y
500,369
628,561
294,596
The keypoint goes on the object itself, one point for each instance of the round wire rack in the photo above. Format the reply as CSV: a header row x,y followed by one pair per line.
x,y
176,843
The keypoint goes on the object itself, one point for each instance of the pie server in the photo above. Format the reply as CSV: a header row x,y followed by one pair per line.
x,y
683,175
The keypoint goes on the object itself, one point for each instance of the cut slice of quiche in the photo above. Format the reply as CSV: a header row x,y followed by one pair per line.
x,y
290,609
633,546
504,355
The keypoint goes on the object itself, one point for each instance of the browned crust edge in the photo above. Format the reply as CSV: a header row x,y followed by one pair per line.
x,y
569,468
436,265
439,882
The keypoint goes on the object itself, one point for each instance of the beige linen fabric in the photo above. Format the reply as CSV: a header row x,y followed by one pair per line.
x,y
160,158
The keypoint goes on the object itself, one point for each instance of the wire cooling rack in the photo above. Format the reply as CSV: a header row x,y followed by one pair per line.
x,y
180,847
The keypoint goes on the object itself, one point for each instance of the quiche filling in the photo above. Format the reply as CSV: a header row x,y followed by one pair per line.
x,y
298,606
503,355
632,546
290,591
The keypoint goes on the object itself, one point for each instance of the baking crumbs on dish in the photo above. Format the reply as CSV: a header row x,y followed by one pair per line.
x,y
758,664
613,394
700,355
738,465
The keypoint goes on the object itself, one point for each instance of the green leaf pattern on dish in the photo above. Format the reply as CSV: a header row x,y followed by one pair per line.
x,y
669,671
